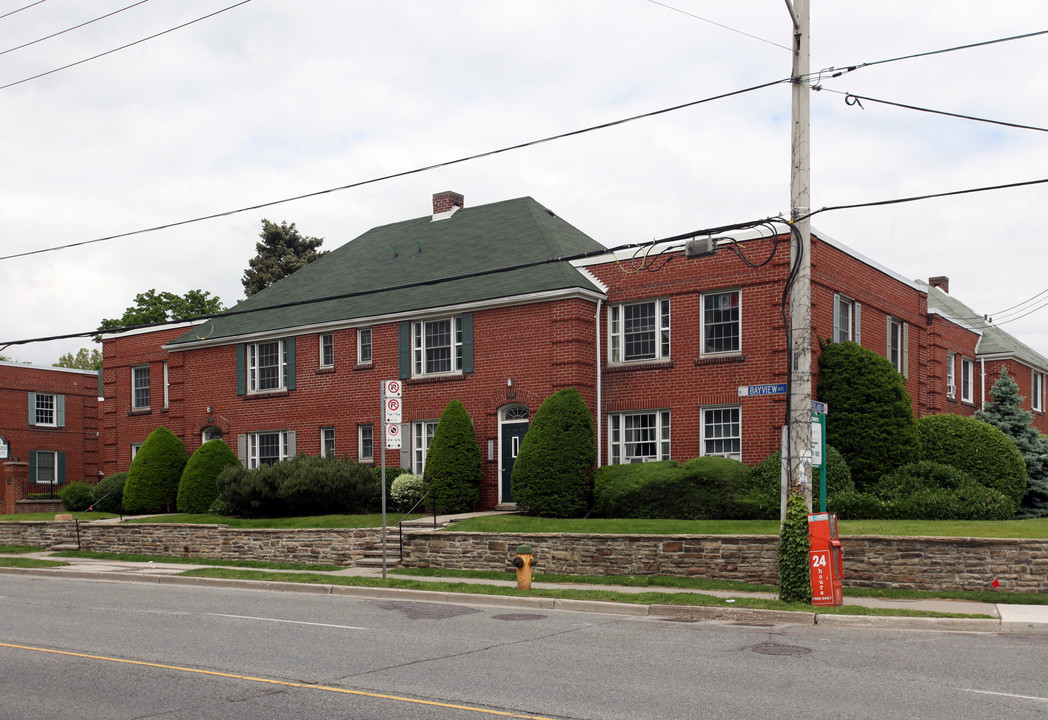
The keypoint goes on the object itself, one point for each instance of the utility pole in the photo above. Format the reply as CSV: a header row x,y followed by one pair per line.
x,y
798,452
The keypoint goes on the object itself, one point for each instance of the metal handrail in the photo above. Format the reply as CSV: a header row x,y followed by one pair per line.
x,y
400,523
89,509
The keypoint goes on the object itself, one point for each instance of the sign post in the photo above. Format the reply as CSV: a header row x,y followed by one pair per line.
x,y
392,414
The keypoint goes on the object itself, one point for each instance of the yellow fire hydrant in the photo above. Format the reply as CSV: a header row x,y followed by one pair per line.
x,y
523,563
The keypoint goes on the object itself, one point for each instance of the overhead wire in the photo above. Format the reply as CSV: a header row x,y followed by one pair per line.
x,y
725,27
852,99
9,14
124,47
403,173
70,29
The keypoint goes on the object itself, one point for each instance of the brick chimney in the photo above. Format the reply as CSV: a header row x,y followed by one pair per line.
x,y
939,281
446,203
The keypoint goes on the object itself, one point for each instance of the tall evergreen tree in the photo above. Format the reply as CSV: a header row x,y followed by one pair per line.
x,y
283,250
1006,413
453,461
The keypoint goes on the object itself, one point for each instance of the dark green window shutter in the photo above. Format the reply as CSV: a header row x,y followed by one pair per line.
x,y
32,408
289,348
32,465
467,342
241,351
60,467
404,350
60,410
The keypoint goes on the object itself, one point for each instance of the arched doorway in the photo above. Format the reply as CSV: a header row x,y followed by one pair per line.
x,y
513,424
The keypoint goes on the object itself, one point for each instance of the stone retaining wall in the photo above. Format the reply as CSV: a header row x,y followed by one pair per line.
x,y
869,561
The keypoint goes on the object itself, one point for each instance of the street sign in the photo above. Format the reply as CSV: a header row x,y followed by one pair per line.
x,y
819,408
391,388
393,437
755,390
816,443
394,410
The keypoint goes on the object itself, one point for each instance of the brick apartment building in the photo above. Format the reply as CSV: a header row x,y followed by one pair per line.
x,y
48,430
501,305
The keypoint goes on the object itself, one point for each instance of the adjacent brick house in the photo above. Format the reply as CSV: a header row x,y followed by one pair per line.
x,y
501,305
48,429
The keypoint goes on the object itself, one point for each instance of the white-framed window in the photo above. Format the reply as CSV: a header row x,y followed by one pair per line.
x,y
45,471
135,447
364,346
722,322
437,346
45,409
722,432
951,378
366,440
327,350
847,317
1037,391
897,349
327,442
967,379
268,448
167,387
639,331
140,387
266,366
210,433
638,437
422,434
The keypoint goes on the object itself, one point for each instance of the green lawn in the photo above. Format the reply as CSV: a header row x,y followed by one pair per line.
x,y
318,521
50,516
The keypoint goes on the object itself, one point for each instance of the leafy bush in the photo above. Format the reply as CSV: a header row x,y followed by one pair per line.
x,y
304,485
871,419
392,473
855,505
220,507
77,496
976,448
197,488
405,491
109,493
763,494
453,461
152,479
794,572
552,473
701,489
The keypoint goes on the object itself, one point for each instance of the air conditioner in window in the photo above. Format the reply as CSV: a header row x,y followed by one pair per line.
x,y
951,390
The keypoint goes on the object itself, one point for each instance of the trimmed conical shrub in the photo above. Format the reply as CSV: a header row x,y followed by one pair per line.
x,y
197,488
453,471
152,479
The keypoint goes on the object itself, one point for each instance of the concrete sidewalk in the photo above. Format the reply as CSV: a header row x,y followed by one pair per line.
x,y
1002,617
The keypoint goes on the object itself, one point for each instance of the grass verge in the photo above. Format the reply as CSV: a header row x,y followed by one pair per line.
x,y
24,562
129,557
50,516
318,521
17,549
646,598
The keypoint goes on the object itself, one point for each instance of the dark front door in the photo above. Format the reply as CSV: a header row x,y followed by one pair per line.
x,y
512,435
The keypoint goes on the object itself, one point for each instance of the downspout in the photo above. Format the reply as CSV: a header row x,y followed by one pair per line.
x,y
982,383
600,433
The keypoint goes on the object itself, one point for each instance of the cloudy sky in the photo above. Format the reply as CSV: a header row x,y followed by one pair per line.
x,y
271,100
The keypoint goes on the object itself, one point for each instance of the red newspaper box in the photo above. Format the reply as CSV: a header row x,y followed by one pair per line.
x,y
824,560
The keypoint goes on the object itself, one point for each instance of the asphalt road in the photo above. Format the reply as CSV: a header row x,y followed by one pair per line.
x,y
80,649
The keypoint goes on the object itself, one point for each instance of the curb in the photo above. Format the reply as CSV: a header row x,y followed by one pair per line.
x,y
679,613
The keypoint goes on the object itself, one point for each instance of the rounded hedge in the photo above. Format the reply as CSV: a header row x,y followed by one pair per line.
x,y
705,488
77,496
982,451
197,488
552,473
152,479
109,493
763,494
405,491
453,470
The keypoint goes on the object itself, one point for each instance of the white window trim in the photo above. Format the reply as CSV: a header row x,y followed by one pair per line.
x,y
53,454
323,441
135,447
702,323
617,445
360,346
135,388
1037,391
420,440
967,386
902,365
418,347
854,315
951,377
320,343
167,386
361,429
617,331
253,369
286,449
54,410
702,431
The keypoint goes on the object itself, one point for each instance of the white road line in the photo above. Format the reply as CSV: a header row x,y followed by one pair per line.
x,y
1004,694
290,622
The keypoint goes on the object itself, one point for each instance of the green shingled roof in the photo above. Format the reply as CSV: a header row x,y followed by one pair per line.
x,y
472,240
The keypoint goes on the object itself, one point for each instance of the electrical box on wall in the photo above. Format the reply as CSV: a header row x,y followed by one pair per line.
x,y
699,247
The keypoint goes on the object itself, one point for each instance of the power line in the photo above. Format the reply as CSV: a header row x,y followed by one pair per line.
x,y
404,173
62,32
123,47
852,100
21,9
420,283
711,22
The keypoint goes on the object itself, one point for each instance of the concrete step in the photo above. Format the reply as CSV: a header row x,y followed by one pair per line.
x,y
373,557
65,545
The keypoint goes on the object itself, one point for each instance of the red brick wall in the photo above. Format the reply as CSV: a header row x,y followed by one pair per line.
x,y
78,438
